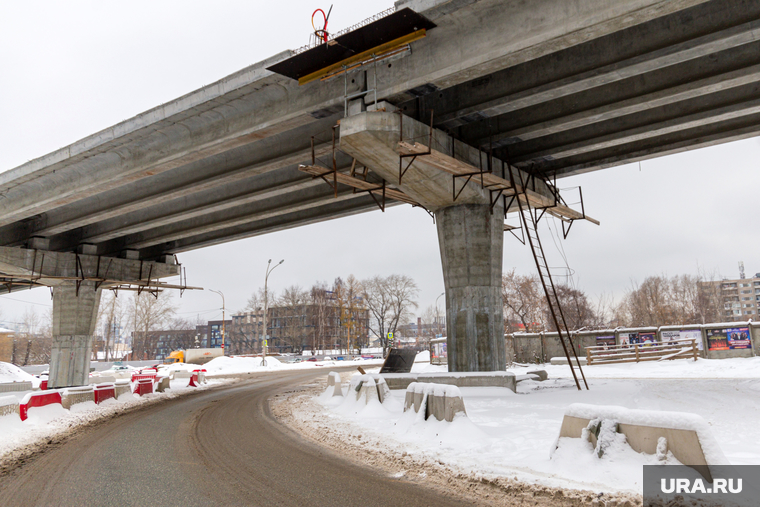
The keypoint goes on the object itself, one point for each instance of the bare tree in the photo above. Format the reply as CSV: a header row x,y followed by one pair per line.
x,y
149,313
293,311
111,316
523,301
389,301
319,301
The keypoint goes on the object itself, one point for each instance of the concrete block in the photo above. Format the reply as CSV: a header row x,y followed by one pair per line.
x,y
74,395
334,384
688,436
383,391
8,405
182,374
121,387
472,379
368,390
8,387
441,401
560,360
163,384
542,375
399,380
97,379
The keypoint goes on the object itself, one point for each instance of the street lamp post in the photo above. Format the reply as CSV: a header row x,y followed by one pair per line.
x,y
266,308
437,317
223,328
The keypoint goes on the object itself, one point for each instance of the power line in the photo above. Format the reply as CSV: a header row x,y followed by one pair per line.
x,y
27,302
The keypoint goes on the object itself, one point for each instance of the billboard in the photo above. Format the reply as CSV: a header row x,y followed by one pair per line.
x,y
646,338
732,338
683,334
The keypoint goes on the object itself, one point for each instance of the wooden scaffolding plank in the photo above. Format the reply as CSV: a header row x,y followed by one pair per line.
x,y
490,181
359,184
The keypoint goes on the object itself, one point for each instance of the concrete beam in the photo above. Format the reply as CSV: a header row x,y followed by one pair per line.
x,y
648,101
678,142
272,207
668,56
60,268
278,184
646,132
373,139
330,210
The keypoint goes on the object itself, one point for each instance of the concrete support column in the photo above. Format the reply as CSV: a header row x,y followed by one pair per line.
x,y
471,239
74,319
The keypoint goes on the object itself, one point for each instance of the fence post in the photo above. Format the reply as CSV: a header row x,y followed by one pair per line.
x,y
694,349
636,348
588,356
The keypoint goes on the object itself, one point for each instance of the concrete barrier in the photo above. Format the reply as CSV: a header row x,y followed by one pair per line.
x,y
97,379
334,387
442,401
143,387
121,387
399,380
471,379
563,361
103,392
9,387
541,374
74,395
687,436
37,399
181,374
8,405
163,384
383,391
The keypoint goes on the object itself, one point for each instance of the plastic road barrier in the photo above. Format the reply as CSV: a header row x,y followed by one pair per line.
x,y
143,387
43,385
104,392
142,376
193,380
37,399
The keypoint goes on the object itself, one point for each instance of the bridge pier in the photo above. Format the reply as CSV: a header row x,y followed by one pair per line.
x,y
471,240
470,233
74,319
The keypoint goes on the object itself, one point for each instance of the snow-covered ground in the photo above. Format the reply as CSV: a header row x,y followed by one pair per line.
x,y
45,422
513,435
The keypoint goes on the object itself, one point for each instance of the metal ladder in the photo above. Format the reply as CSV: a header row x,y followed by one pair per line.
x,y
530,222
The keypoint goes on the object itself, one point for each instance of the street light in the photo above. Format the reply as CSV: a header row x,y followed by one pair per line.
x,y
266,308
223,329
437,318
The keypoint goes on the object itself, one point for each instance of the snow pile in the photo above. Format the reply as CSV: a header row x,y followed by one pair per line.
x,y
12,373
736,368
422,357
508,434
362,400
225,364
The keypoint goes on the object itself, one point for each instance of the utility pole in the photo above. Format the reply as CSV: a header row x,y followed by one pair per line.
x,y
266,309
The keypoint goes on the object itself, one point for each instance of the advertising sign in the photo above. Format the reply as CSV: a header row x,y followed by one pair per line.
x,y
640,338
608,341
683,334
732,338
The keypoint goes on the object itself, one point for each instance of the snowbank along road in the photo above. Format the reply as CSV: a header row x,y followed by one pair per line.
x,y
221,447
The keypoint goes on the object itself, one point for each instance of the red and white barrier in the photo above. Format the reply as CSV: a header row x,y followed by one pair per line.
x,y
104,392
37,399
143,387
43,385
142,376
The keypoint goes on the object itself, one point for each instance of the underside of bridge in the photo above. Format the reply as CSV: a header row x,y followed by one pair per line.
x,y
545,90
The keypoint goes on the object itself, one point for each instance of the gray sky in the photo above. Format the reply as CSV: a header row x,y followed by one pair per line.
x,y
72,68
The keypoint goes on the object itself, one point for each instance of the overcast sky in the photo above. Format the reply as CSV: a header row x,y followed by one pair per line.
x,y
69,69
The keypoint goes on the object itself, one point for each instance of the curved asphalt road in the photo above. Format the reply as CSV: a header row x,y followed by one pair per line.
x,y
217,448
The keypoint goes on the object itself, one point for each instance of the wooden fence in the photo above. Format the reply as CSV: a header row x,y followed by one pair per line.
x,y
636,352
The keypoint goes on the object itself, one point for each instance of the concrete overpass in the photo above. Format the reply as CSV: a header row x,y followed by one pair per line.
x,y
551,89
